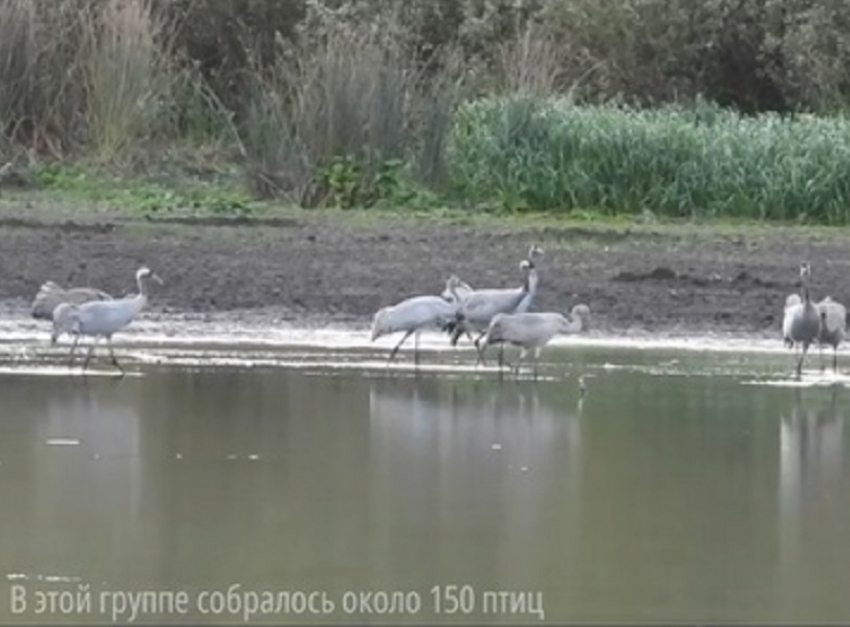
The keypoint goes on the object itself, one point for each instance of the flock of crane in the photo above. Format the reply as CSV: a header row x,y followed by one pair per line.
x,y
497,316
806,322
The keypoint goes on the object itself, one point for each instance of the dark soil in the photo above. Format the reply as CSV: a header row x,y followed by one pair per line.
x,y
333,267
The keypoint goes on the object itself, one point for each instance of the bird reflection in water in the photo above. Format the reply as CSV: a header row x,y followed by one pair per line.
x,y
811,460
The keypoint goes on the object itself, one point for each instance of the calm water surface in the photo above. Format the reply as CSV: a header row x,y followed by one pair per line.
x,y
683,487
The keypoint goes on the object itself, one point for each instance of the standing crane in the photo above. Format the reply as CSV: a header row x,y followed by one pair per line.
x,y
532,331
801,323
101,318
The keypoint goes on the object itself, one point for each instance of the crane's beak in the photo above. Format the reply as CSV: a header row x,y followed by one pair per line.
x,y
156,278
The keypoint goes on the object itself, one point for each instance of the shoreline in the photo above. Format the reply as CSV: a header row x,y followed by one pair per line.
x,y
316,269
264,330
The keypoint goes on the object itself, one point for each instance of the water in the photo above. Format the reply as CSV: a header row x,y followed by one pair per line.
x,y
684,486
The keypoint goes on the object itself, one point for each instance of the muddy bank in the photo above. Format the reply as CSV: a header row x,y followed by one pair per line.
x,y
338,269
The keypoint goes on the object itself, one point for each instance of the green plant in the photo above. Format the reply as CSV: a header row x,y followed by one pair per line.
x,y
549,154
344,179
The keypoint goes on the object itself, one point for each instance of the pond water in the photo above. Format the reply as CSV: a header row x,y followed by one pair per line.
x,y
682,486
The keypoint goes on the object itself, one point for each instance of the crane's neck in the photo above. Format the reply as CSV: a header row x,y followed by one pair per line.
x,y
531,280
142,282
572,323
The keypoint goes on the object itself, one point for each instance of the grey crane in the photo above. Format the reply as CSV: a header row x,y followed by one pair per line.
x,y
801,322
478,307
833,327
50,295
532,331
101,318
416,314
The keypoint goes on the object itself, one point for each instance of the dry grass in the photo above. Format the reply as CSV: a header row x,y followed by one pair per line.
x,y
352,96
531,63
41,92
129,75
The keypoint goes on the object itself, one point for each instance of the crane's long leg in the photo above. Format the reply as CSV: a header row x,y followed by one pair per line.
x,y
522,354
456,333
73,348
802,357
416,351
112,356
477,342
822,365
536,354
89,354
398,346
835,358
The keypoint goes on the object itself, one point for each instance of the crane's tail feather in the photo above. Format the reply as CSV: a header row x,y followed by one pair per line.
x,y
456,332
455,328
49,295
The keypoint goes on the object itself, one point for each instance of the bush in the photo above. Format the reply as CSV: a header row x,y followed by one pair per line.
x,y
677,161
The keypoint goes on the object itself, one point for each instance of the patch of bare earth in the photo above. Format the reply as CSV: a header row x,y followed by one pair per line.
x,y
327,267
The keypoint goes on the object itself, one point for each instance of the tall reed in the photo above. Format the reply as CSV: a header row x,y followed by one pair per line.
x,y
550,154
129,74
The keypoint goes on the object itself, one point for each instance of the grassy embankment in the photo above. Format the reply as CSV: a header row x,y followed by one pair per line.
x,y
107,111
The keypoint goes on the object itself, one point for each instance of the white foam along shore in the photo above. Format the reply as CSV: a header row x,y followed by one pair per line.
x,y
246,332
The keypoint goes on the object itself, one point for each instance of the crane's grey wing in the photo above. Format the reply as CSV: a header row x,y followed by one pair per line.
x,y
50,295
834,317
793,312
107,317
480,307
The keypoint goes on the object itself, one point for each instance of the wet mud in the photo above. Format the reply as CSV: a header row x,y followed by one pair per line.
x,y
316,269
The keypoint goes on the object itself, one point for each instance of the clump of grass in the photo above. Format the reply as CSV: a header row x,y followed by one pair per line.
x,y
675,161
129,71
332,118
186,197
322,121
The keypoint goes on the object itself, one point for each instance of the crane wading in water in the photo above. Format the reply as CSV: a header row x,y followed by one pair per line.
x,y
801,322
416,314
101,318
532,331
